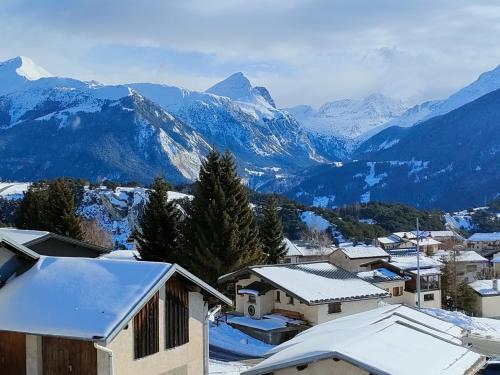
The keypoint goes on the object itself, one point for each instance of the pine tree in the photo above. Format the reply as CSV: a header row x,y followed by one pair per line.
x,y
31,212
221,234
466,298
271,233
159,234
61,211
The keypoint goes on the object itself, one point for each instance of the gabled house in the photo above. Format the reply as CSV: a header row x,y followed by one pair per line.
x,y
355,258
392,282
487,303
392,339
100,317
315,292
403,240
47,243
469,265
405,264
484,241
300,251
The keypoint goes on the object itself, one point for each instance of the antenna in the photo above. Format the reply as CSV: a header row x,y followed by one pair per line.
x,y
418,265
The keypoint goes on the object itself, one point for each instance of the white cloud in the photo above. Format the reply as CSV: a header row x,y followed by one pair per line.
x,y
304,51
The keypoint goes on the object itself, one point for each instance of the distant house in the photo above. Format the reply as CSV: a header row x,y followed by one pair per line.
x,y
47,243
484,241
392,339
315,291
100,317
440,235
402,240
354,258
300,251
487,302
390,281
469,265
405,264
496,265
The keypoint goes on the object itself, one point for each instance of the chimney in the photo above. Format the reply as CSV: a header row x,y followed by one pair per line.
x,y
495,285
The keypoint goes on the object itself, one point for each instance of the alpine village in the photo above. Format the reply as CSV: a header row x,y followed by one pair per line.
x,y
151,229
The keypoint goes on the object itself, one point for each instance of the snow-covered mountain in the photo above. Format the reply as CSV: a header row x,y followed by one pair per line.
x,y
349,119
136,131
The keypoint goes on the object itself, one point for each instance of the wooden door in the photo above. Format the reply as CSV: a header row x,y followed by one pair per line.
x,y
12,353
68,357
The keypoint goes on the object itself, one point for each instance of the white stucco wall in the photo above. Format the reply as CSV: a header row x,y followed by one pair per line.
x,y
353,265
34,360
185,359
389,286
488,307
410,299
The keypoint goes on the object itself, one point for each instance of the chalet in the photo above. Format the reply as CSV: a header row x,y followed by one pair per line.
x,y
392,282
354,258
99,316
487,303
440,235
47,243
405,264
469,265
403,240
484,241
373,342
315,292
300,251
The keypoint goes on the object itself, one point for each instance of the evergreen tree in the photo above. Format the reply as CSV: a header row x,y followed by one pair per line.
x,y
61,211
31,213
159,235
466,298
271,233
221,234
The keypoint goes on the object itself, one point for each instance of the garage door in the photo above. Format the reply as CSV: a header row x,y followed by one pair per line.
x,y
68,357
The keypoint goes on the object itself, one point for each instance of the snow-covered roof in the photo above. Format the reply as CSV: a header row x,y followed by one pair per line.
x,y
388,240
304,248
122,255
409,262
363,251
485,287
427,271
372,340
435,233
381,275
484,237
466,256
83,298
405,235
425,241
313,282
23,236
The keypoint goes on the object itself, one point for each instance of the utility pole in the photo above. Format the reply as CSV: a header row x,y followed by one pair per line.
x,y
418,265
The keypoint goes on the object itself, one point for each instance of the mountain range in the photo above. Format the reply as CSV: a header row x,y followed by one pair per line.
x,y
441,153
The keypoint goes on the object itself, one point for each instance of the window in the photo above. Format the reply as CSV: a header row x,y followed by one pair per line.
x,y
146,331
278,296
176,313
471,268
290,300
429,282
238,287
397,291
251,298
429,297
334,308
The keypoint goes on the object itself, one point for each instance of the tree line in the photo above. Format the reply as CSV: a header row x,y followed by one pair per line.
x,y
215,233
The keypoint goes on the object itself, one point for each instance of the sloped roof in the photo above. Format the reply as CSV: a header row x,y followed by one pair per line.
x,y
372,340
313,282
364,251
83,298
484,237
484,287
466,256
380,275
425,241
304,248
409,262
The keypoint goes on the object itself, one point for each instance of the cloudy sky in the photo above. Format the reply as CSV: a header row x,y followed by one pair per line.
x,y
304,51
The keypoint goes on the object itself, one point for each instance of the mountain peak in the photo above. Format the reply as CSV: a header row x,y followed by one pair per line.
x,y
236,87
23,67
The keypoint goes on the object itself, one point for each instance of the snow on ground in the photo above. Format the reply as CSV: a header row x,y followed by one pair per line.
x,y
314,221
484,327
225,368
459,220
228,338
13,190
